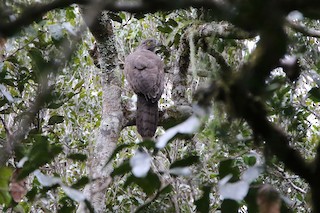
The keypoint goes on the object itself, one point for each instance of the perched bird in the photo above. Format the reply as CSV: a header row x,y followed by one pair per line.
x,y
144,70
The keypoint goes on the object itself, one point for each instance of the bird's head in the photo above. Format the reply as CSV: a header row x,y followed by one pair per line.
x,y
149,44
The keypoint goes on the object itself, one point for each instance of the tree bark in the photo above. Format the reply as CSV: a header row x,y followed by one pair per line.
x,y
112,113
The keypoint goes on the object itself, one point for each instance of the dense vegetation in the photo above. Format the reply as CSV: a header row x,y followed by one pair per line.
x,y
239,116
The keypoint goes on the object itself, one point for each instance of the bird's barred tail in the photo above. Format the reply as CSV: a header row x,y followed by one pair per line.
x,y
147,117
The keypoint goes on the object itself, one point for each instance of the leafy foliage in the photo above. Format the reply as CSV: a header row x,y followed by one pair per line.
x,y
47,61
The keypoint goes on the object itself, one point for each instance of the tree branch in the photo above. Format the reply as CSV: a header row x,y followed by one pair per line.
x,y
100,26
303,29
222,11
242,94
167,118
33,13
223,30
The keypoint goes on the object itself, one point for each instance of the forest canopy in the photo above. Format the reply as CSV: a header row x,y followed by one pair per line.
x,y
239,116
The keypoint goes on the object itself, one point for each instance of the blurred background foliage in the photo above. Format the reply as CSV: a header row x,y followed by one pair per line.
x,y
64,128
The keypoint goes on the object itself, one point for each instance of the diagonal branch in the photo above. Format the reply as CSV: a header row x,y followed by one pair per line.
x,y
222,11
33,13
303,29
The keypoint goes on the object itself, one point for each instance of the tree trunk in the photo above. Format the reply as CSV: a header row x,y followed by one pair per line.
x,y
112,113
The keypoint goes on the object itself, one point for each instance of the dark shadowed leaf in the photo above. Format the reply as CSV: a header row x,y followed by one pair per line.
x,y
66,205
314,94
172,23
117,150
3,101
81,182
55,105
124,168
139,15
188,161
164,29
227,167
115,17
167,189
251,200
55,119
144,208
40,153
149,144
77,156
149,184
39,64
229,206
31,194
203,203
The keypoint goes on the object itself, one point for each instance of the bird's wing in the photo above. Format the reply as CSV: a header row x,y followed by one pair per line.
x,y
144,72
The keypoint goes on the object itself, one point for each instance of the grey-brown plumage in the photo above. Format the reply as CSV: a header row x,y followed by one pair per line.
x,y
144,70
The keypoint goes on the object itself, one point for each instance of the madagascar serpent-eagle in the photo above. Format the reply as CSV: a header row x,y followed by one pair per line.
x,y
144,71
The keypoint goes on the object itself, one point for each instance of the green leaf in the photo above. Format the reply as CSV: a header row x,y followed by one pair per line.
x,y
149,144
172,23
144,208
188,161
9,82
55,119
165,29
124,168
5,175
149,184
227,167
115,17
167,189
77,156
70,15
314,94
117,150
78,85
66,205
122,15
250,160
139,15
70,95
3,101
229,206
81,182
31,195
39,64
203,203
40,153
55,105
251,200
